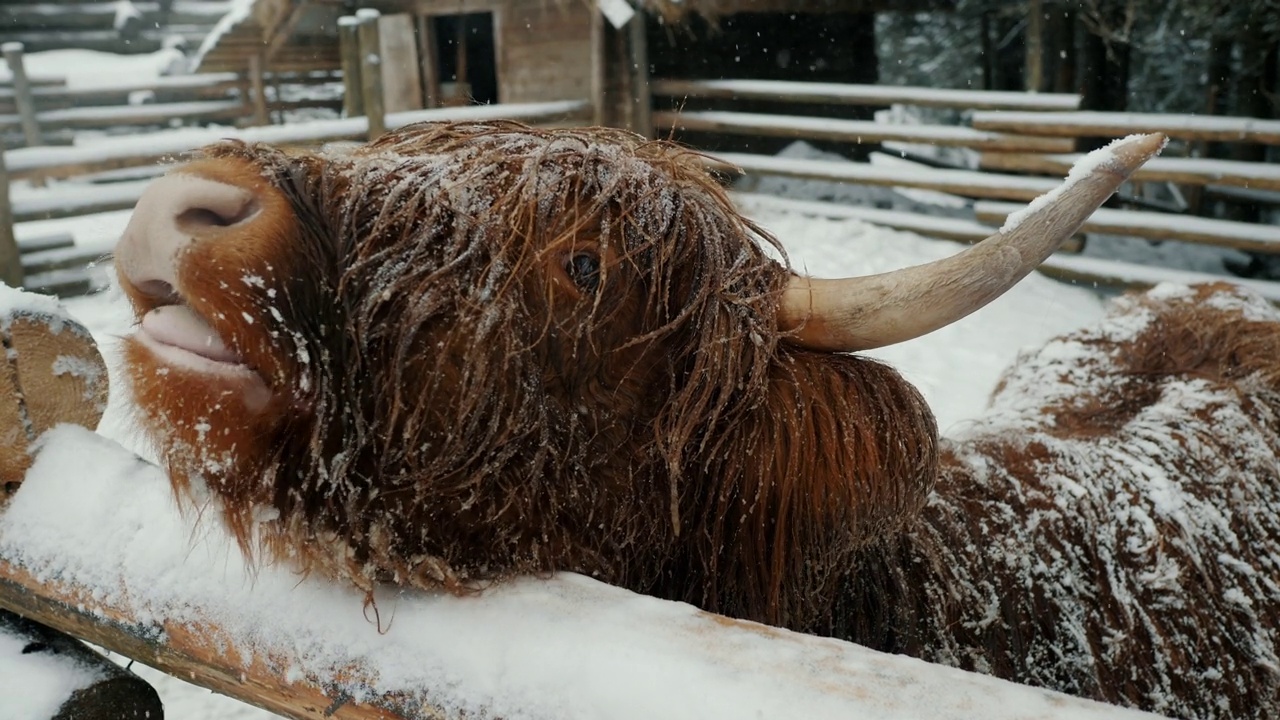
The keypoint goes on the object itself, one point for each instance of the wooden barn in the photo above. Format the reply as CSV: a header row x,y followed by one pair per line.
x,y
448,52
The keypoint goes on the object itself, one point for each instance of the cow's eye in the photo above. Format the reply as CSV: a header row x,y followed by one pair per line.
x,y
584,270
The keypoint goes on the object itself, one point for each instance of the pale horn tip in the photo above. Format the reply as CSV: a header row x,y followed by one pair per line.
x,y
849,314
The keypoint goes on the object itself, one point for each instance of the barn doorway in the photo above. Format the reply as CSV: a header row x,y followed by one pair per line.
x,y
465,59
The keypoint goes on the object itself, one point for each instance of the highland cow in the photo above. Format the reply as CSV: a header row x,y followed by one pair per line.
x,y
465,352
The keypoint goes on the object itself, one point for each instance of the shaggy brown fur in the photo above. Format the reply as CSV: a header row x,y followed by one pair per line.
x,y
466,411
496,350
1111,528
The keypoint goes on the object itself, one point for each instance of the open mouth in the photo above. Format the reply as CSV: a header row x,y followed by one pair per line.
x,y
179,337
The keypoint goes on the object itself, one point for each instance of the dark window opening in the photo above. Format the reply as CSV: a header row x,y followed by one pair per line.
x,y
465,54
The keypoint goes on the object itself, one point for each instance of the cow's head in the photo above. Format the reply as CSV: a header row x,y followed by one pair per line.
x,y
467,351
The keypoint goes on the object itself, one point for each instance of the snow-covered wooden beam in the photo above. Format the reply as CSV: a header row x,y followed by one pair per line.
x,y
93,544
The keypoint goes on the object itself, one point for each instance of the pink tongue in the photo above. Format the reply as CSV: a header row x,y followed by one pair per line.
x,y
177,325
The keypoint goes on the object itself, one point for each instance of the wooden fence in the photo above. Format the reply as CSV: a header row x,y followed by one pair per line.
x,y
37,110
49,112
1021,144
53,264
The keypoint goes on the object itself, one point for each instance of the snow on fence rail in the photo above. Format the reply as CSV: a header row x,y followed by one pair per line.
x,y
968,183
146,114
1186,171
847,94
124,86
1252,237
55,162
63,272
1063,265
1119,124
855,131
1007,141
42,111
122,568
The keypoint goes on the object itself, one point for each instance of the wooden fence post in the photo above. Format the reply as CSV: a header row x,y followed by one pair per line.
x,y
258,90
10,257
24,100
642,94
22,94
371,71
427,45
1034,80
349,49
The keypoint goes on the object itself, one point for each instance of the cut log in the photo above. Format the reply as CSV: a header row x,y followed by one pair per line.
x,y
97,688
53,374
121,568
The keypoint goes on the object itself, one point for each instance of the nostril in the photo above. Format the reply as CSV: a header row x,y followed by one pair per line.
x,y
215,215
159,290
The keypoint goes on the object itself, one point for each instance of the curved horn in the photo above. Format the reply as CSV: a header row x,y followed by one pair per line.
x,y
848,314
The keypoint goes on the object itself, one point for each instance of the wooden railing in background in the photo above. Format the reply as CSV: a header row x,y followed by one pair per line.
x,y
49,113
1021,143
55,264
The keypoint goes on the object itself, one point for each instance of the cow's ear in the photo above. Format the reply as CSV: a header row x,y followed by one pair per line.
x,y
838,452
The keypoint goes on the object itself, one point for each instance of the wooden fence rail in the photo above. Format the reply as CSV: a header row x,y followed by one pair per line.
x,y
61,270
42,112
855,131
847,94
204,86
966,183
146,149
1184,171
1113,124
1005,132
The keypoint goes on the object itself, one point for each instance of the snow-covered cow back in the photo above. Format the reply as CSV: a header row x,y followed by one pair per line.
x,y
1111,527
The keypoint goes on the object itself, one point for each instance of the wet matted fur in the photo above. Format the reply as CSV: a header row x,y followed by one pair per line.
x,y
459,396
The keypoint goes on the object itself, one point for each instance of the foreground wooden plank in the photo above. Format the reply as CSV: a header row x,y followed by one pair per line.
x,y
120,566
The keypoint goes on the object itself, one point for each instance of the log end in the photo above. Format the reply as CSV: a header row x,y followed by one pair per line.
x,y
52,373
